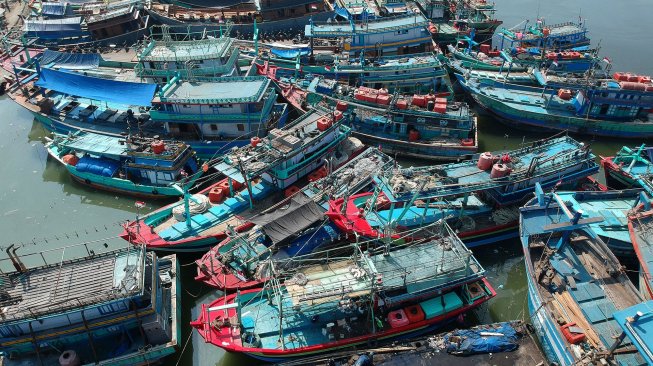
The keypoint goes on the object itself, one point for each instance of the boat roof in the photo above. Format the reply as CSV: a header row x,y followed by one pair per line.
x,y
56,287
248,89
639,329
203,49
415,20
114,146
433,181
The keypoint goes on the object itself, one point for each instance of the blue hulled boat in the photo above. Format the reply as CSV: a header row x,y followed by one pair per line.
x,y
53,312
576,286
257,177
610,108
132,165
479,198
630,168
640,228
344,301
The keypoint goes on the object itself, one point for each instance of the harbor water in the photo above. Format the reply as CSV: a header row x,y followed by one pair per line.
x,y
42,208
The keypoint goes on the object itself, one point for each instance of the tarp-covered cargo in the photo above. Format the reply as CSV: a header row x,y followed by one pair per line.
x,y
70,60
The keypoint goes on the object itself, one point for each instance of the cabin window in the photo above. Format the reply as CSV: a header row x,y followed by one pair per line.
x,y
240,126
214,127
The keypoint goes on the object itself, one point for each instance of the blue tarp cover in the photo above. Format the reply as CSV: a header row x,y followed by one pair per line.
x,y
71,60
103,167
120,92
57,9
473,342
290,52
54,28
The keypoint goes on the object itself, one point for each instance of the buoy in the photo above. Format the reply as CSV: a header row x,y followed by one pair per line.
x,y
467,142
205,167
485,161
70,159
546,32
254,141
499,170
216,195
158,146
69,358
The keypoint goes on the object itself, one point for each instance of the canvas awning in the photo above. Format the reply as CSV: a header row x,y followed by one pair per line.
x,y
66,60
120,92
53,9
282,223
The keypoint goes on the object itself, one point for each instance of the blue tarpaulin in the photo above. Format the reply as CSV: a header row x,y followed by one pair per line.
x,y
53,9
504,338
70,60
343,13
54,28
121,92
290,52
103,167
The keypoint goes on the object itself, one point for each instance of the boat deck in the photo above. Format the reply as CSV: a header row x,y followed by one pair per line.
x,y
70,284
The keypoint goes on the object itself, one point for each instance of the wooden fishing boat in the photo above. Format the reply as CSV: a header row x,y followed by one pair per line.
x,y
346,301
576,286
257,176
132,165
53,313
640,227
474,197
296,226
625,168
622,113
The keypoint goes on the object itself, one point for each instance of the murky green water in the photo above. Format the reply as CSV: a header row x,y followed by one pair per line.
x,y
41,208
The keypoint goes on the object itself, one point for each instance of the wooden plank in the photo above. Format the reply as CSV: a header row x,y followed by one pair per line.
x,y
565,226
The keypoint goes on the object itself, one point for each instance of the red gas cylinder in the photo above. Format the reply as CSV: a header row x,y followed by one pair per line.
x,y
290,191
413,135
414,313
323,123
254,141
342,106
216,195
485,161
70,159
158,146
499,170
398,318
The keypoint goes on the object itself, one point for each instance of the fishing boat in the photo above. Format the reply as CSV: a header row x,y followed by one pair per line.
x,y
347,301
296,226
132,165
257,176
424,126
211,115
613,108
89,24
106,306
640,227
479,198
576,286
627,166
418,72
541,35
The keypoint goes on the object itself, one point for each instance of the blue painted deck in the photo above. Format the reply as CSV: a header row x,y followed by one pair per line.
x,y
638,329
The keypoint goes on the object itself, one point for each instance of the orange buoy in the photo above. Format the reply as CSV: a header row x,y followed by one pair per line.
x,y
205,167
499,170
467,142
291,191
70,159
158,146
254,141
485,161
216,195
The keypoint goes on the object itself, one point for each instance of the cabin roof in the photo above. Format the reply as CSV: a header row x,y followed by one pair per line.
x,y
186,50
223,90
414,20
